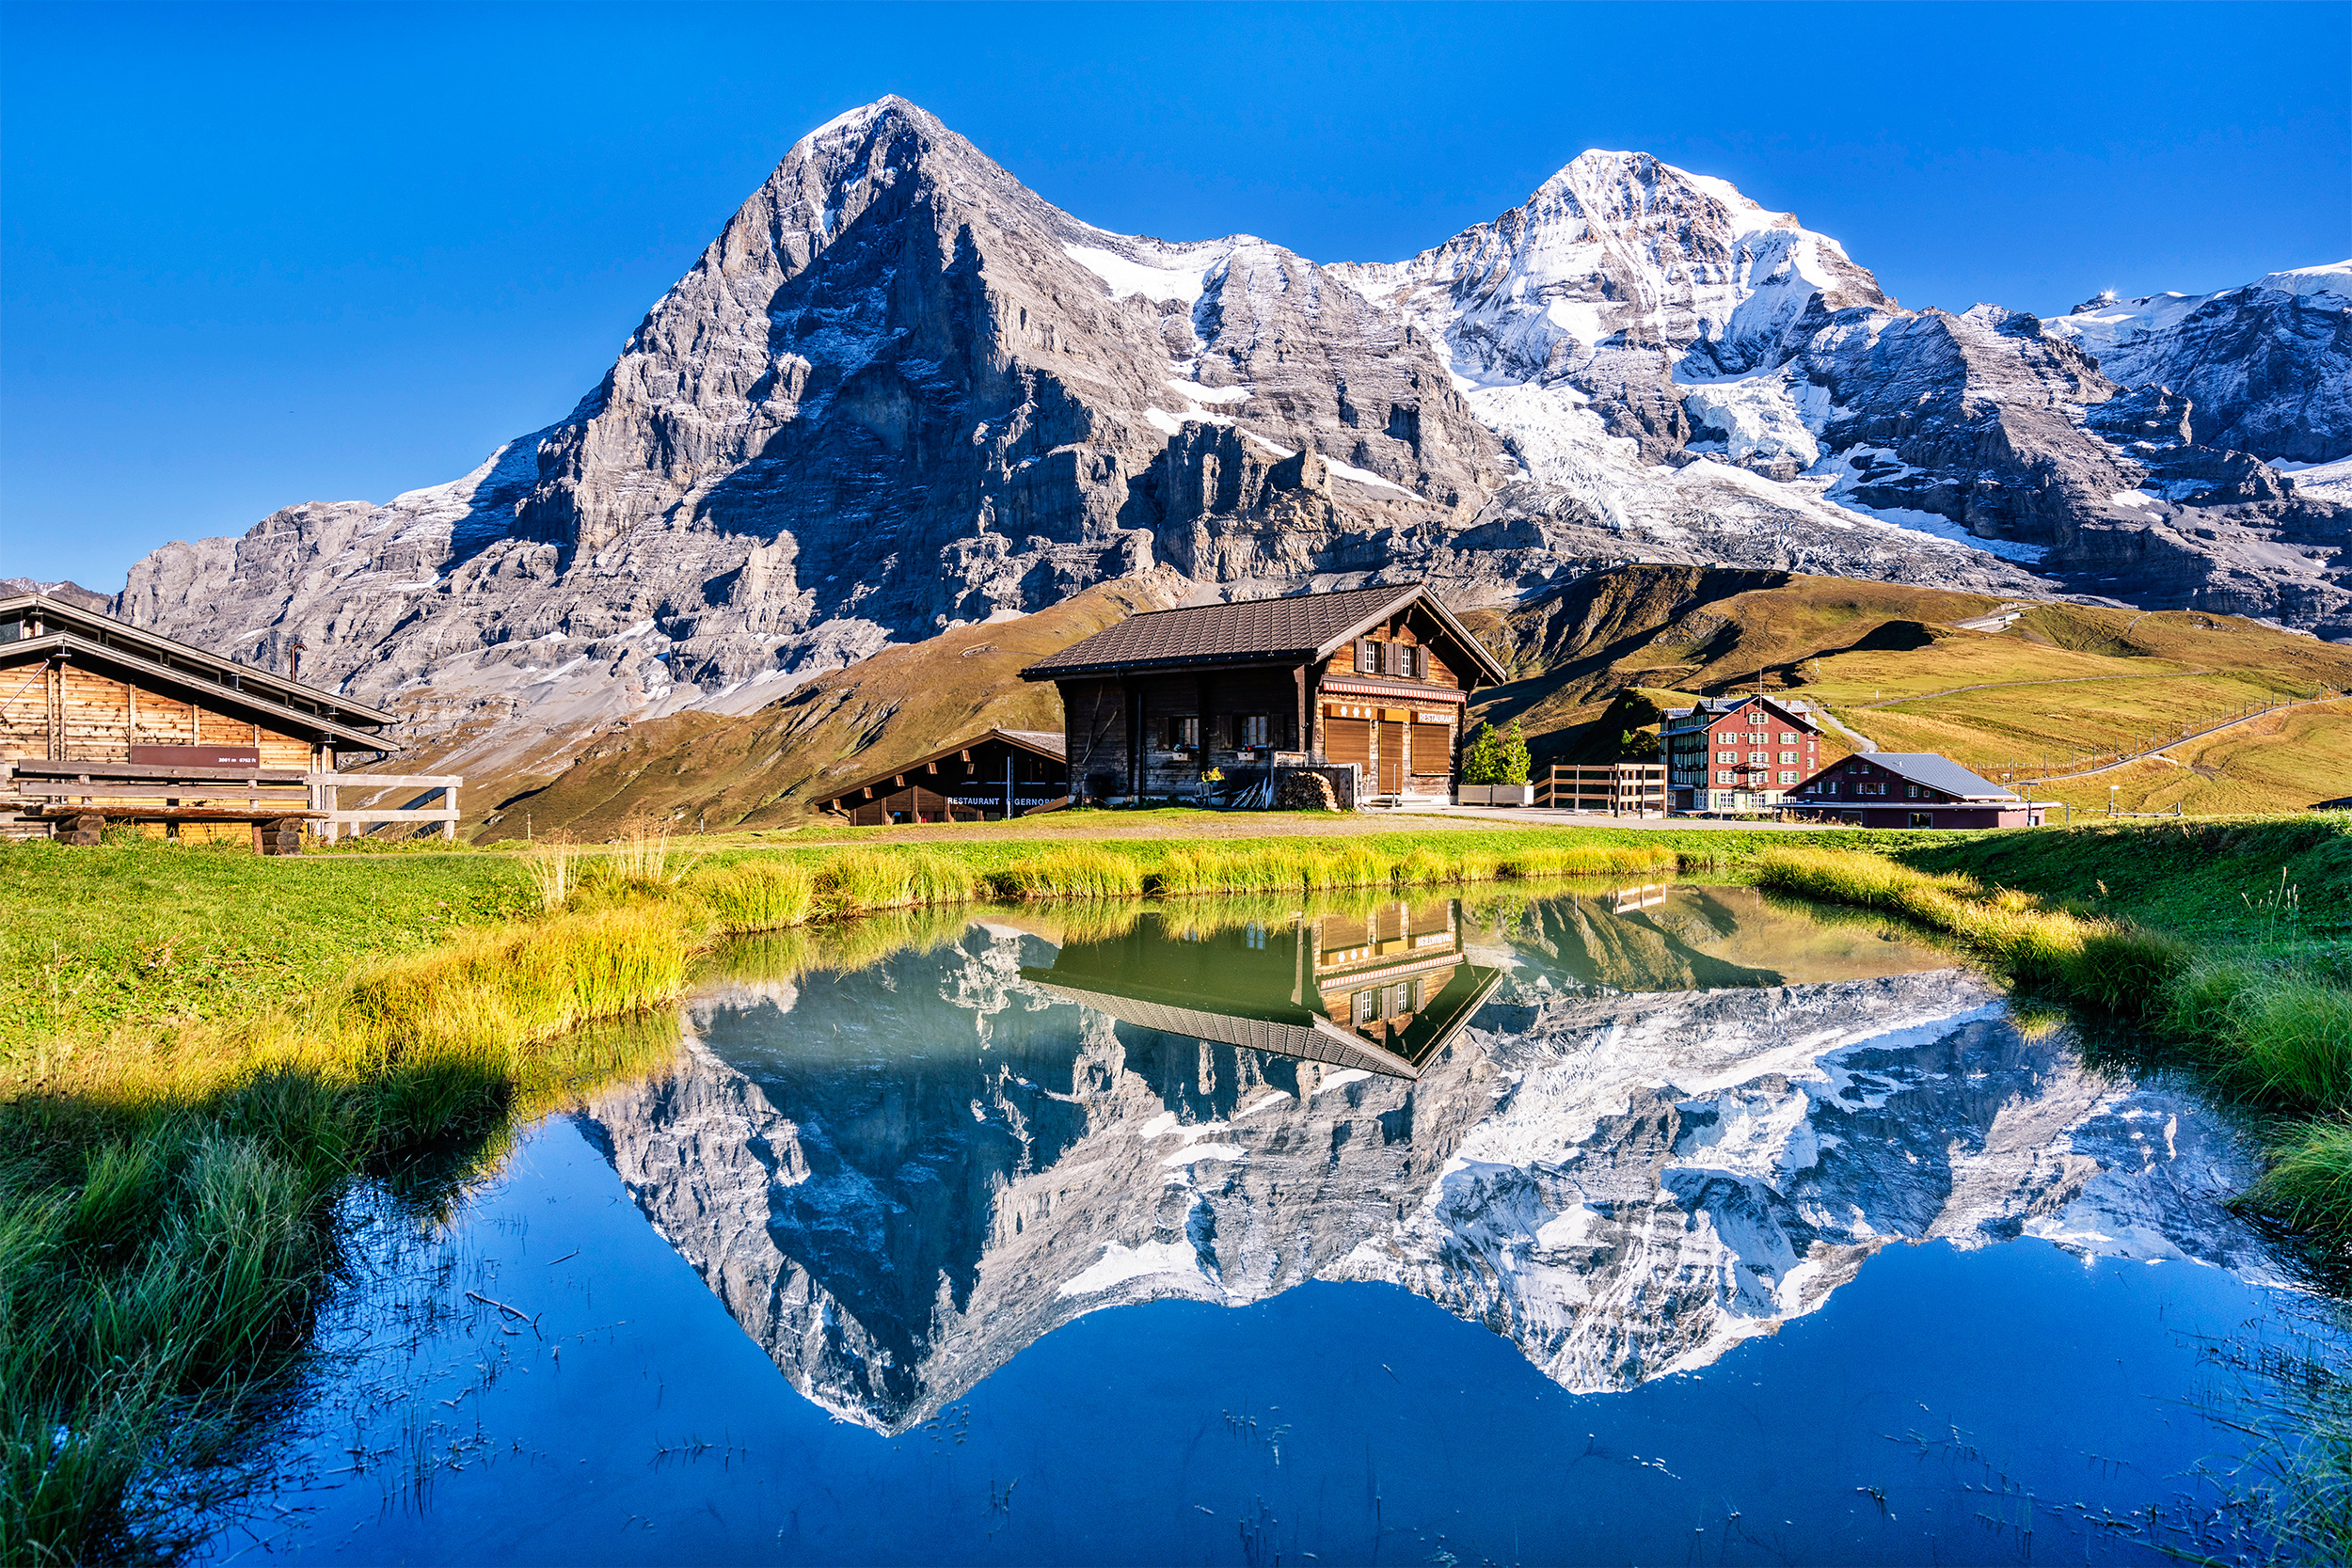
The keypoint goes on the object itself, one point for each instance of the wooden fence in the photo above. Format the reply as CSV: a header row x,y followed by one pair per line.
x,y
335,822
1622,789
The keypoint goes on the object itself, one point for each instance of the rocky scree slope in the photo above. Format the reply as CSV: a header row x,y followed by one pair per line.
x,y
900,392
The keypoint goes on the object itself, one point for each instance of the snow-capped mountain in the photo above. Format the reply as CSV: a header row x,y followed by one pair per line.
x,y
901,391
2266,369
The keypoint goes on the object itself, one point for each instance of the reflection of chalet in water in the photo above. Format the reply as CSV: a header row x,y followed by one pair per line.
x,y
1381,991
1372,678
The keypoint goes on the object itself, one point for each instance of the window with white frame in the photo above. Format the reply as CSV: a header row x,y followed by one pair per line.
x,y
1788,775
1788,758
1759,756
1367,656
1726,756
1252,729
1788,737
1724,777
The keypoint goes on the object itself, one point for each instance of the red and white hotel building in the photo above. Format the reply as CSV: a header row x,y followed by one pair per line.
x,y
1739,754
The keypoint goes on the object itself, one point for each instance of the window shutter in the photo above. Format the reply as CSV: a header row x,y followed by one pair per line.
x,y
1420,664
1367,662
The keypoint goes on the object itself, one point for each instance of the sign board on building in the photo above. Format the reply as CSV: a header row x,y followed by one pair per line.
x,y
197,756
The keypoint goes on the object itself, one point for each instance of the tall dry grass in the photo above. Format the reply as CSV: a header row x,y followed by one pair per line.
x,y
1070,871
857,881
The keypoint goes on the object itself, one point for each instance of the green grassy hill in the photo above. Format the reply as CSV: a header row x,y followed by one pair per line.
x,y
2049,690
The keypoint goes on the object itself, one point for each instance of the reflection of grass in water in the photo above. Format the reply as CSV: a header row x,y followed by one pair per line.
x,y
2289,1497
842,948
168,1233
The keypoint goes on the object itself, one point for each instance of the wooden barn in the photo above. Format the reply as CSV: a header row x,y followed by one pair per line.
x,y
1374,677
101,721
994,775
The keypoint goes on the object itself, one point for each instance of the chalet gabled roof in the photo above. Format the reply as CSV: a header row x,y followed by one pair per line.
x,y
1051,744
1710,708
85,636
1298,627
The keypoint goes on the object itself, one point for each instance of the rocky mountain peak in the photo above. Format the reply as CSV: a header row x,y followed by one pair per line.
x,y
899,392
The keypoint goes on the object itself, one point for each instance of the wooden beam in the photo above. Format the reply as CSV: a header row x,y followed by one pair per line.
x,y
74,789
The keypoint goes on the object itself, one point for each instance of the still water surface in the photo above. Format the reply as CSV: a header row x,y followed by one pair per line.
x,y
1646,1225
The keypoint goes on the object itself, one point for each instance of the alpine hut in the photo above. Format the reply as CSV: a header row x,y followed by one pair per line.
x,y
1206,700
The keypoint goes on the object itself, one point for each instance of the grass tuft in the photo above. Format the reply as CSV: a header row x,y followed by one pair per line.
x,y
1070,871
755,895
2310,1184
861,879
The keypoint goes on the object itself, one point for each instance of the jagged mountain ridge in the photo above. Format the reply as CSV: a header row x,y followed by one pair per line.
x,y
2266,368
900,391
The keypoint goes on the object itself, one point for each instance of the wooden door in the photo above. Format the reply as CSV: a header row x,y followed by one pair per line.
x,y
1391,757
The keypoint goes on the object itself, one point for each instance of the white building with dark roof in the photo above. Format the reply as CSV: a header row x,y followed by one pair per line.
x,y
1910,789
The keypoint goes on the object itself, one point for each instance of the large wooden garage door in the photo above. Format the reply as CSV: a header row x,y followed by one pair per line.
x,y
1391,757
1433,752
1348,740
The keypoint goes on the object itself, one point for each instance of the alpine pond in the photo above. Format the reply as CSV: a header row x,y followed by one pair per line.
x,y
1648,1224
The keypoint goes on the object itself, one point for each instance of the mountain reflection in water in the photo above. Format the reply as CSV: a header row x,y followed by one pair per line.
x,y
1626,1130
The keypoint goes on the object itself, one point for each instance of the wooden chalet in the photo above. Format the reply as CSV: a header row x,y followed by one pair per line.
x,y
1372,678
102,722
1383,992
992,776
1739,754
1910,789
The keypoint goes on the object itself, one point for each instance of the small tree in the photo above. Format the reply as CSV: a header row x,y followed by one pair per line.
x,y
1637,746
1512,757
1482,759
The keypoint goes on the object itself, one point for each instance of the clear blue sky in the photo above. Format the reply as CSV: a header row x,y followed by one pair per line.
x,y
250,257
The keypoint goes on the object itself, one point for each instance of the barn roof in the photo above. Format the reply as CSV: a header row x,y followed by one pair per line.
x,y
1052,744
1299,626
149,657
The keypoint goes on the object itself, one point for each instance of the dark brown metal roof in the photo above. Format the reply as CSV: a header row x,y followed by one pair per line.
x,y
1299,627
1049,744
